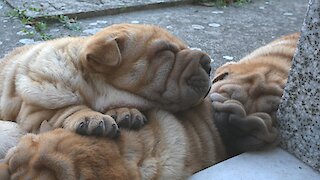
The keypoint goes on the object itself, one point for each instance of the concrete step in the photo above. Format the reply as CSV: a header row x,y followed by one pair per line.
x,y
275,164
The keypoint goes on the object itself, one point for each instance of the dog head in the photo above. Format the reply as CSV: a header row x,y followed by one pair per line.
x,y
257,85
149,62
245,97
61,154
258,79
246,94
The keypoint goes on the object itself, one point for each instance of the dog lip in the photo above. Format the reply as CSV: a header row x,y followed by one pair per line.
x,y
200,86
207,92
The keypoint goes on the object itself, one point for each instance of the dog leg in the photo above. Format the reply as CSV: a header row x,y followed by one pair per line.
x,y
128,117
77,118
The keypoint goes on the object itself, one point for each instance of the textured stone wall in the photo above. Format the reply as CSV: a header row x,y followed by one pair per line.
x,y
299,112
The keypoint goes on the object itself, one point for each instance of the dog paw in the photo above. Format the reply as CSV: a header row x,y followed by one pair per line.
x,y
242,132
94,124
128,117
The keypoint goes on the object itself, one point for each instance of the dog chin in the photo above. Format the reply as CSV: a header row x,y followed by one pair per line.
x,y
191,97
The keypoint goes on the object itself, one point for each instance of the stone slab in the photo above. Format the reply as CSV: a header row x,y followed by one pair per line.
x,y
275,164
299,111
87,8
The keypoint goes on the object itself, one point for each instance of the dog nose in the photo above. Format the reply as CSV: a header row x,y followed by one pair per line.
x,y
205,63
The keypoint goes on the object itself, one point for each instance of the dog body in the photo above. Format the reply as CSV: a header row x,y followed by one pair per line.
x,y
168,147
70,82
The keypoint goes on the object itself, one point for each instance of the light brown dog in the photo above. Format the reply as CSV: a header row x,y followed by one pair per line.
x,y
256,84
70,82
168,147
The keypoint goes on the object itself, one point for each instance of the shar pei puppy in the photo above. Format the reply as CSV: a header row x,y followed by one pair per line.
x,y
169,146
252,87
72,82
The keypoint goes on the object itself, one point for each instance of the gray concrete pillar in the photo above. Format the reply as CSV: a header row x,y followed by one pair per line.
x,y
299,111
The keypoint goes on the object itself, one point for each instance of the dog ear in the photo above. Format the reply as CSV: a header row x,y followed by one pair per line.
x,y
102,52
223,71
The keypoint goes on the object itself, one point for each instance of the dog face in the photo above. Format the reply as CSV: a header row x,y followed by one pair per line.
x,y
50,156
149,62
258,80
248,84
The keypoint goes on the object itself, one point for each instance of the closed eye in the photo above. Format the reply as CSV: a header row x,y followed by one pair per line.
x,y
220,77
120,42
161,46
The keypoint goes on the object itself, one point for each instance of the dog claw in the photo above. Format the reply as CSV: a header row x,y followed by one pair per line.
x,y
98,131
128,118
125,121
114,116
145,120
115,132
82,128
97,125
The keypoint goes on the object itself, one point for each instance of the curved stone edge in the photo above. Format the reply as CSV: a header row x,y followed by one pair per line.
x,y
299,111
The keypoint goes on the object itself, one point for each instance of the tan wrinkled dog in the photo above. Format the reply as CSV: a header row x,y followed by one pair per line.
x,y
71,82
167,147
255,85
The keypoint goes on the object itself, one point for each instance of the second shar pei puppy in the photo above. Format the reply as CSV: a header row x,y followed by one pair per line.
x,y
71,82
167,147
256,84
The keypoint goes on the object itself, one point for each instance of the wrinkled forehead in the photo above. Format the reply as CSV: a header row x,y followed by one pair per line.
x,y
141,33
226,67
